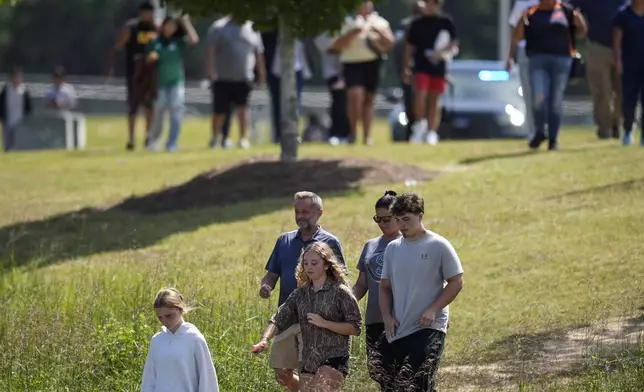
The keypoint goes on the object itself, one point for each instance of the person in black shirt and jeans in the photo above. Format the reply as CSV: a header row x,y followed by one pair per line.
x,y
628,48
134,37
429,69
549,29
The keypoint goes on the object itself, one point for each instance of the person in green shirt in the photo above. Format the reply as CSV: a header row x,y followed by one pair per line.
x,y
167,52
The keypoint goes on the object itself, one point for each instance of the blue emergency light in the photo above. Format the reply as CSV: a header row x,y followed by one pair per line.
x,y
494,76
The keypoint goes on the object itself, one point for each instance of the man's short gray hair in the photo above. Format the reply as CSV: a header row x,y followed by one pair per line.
x,y
306,195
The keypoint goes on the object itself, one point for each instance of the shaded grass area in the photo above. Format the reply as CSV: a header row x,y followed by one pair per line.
x,y
549,242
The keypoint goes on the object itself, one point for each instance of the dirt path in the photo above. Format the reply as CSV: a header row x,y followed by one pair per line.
x,y
551,357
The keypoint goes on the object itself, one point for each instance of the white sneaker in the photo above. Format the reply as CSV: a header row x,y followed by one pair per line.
x,y
228,144
418,132
432,138
244,144
154,146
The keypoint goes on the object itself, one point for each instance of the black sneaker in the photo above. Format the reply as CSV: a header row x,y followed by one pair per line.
x,y
615,130
553,145
129,146
536,140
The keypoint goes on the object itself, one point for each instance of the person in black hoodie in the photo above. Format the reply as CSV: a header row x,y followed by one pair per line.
x,y
15,104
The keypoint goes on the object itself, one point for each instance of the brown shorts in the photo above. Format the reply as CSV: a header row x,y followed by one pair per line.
x,y
286,351
142,86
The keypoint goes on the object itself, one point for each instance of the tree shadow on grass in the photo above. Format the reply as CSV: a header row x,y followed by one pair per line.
x,y
229,194
522,153
622,186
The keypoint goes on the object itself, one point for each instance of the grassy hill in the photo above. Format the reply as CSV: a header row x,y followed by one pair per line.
x,y
551,244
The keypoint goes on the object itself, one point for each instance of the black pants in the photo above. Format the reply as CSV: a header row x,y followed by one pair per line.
x,y
632,93
274,89
338,111
375,334
410,363
408,100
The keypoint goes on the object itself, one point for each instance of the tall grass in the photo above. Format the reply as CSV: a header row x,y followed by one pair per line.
x,y
549,242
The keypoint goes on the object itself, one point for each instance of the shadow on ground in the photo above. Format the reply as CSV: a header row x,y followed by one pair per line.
x,y
524,153
557,353
229,194
621,186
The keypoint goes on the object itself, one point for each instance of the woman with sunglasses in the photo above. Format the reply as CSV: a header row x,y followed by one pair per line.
x,y
370,267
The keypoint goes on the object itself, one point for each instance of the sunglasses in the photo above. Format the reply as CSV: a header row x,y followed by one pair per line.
x,y
382,219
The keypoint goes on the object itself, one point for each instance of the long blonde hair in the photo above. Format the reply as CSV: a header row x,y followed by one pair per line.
x,y
335,271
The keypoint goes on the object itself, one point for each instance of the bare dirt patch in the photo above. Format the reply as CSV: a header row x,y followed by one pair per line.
x,y
558,356
267,177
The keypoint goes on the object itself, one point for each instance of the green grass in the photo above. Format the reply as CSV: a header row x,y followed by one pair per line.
x,y
549,241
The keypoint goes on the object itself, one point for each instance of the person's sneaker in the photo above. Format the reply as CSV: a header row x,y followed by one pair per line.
x,y
212,143
172,148
627,140
418,132
615,130
536,140
244,144
368,142
432,138
553,145
129,146
227,144
334,141
154,147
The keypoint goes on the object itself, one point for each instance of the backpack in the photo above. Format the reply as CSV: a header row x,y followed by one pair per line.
x,y
578,68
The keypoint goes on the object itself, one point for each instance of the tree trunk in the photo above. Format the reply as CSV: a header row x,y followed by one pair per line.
x,y
288,93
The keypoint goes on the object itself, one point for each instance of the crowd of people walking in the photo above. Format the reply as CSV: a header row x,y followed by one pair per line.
x,y
410,274
545,44
240,59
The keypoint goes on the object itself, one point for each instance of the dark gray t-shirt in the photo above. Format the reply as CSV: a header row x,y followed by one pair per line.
x,y
371,259
235,50
418,272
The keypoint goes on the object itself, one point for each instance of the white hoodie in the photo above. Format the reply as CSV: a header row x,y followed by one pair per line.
x,y
179,362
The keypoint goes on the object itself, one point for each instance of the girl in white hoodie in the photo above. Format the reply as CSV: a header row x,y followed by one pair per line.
x,y
178,358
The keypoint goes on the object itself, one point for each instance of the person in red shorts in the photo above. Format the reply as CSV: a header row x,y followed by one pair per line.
x,y
430,40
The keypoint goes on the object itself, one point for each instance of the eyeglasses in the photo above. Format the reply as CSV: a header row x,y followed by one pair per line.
x,y
382,219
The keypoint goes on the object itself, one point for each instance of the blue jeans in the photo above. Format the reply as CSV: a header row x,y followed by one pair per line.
x,y
170,99
549,76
